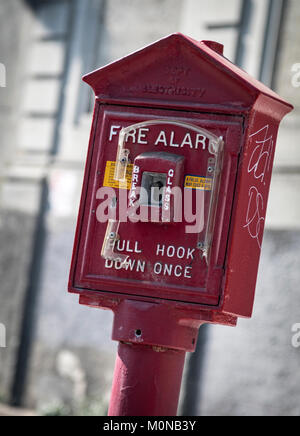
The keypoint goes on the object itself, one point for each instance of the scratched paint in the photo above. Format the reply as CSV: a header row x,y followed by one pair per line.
x,y
259,166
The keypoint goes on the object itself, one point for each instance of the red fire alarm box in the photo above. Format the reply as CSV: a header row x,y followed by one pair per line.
x,y
175,188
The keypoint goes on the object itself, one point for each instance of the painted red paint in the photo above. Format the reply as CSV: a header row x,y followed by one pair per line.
x,y
177,80
156,240
140,386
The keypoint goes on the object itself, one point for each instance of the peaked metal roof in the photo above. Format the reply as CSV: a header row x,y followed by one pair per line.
x,y
209,50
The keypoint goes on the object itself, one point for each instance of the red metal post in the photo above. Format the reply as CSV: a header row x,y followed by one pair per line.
x,y
146,381
153,340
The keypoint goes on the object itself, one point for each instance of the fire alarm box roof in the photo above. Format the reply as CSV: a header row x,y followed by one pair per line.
x,y
180,70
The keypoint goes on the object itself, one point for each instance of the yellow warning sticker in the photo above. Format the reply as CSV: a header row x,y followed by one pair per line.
x,y
196,182
109,180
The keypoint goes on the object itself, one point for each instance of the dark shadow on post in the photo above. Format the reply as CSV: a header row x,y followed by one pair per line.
x,y
194,375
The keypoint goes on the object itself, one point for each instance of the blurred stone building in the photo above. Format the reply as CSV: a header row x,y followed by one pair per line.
x,y
59,353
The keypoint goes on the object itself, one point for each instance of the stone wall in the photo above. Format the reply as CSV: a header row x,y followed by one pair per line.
x,y
18,202
254,369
